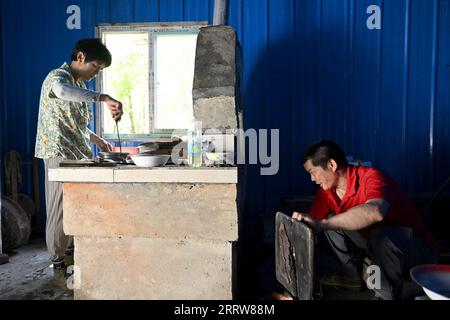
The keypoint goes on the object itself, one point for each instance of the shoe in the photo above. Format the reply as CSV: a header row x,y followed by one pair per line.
x,y
377,297
59,277
337,280
282,296
68,260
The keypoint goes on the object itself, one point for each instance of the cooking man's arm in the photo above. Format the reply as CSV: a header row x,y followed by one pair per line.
x,y
69,92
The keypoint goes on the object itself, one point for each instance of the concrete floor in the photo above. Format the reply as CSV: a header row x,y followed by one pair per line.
x,y
28,276
267,282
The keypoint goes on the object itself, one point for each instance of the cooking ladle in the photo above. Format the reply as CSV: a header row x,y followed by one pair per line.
x,y
118,136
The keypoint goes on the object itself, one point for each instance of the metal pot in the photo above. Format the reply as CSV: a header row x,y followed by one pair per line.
x,y
15,226
148,147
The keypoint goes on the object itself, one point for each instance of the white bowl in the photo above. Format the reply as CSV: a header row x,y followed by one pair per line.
x,y
142,160
434,279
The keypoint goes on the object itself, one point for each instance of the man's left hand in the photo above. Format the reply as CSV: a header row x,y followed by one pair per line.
x,y
102,144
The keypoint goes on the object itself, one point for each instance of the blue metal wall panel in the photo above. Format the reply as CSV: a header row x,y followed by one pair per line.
x,y
278,59
306,98
365,86
332,69
394,86
146,10
235,17
197,10
103,11
442,114
255,15
311,69
15,113
2,107
171,10
422,55
122,11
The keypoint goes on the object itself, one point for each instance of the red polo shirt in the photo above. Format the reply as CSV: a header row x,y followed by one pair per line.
x,y
363,184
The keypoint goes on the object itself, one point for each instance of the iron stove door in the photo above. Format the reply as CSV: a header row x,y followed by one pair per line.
x,y
294,256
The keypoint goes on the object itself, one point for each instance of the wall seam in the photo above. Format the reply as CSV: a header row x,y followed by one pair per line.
x,y
380,85
406,76
434,81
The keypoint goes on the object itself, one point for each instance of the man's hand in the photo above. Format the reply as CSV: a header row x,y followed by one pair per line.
x,y
314,224
113,105
101,143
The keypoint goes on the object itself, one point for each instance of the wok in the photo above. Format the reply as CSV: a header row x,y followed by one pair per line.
x,y
115,156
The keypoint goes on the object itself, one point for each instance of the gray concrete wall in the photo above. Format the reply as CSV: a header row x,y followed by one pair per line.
x,y
216,79
144,268
153,240
163,210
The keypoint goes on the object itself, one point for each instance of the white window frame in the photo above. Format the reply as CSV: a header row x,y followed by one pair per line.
x,y
152,29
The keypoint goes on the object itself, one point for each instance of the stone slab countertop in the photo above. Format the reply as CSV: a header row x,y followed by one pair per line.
x,y
132,174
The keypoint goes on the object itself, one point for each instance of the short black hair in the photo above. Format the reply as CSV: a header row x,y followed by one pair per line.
x,y
94,50
323,151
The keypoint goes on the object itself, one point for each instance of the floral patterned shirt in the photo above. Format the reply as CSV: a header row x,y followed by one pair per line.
x,y
62,125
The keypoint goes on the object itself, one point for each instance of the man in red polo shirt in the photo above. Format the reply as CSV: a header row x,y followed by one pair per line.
x,y
363,212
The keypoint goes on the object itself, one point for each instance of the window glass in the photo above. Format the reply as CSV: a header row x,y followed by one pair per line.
x,y
174,76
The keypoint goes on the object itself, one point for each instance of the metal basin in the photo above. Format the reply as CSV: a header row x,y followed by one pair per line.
x,y
434,279
142,160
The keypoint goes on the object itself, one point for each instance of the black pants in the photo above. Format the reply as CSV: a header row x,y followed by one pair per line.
x,y
395,250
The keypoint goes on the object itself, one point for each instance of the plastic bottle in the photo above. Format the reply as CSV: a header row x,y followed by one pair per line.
x,y
195,144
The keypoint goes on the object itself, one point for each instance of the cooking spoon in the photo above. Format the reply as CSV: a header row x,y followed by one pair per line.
x,y
118,136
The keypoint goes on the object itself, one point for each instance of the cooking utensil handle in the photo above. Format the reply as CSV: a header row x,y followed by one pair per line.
x,y
118,136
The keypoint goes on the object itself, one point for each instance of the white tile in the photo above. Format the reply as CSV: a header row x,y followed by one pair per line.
x,y
188,175
81,175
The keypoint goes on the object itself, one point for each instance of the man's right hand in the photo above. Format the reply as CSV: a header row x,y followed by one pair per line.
x,y
301,216
113,105
316,225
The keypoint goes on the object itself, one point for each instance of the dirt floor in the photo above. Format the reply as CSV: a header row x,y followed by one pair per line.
x,y
28,276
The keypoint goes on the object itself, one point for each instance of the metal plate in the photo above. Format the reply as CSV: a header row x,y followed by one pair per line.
x,y
76,163
87,163
294,255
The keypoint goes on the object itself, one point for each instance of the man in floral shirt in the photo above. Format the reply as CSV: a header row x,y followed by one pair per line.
x,y
63,133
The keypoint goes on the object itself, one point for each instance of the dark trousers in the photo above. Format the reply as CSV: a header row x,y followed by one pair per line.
x,y
395,250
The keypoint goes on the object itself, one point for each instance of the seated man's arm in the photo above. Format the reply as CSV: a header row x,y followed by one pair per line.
x,y
358,217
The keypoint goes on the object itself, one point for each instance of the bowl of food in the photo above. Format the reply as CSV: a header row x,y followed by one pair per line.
x,y
213,158
145,160
434,279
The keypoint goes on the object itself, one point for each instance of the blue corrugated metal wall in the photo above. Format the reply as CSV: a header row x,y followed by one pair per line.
x,y
1,93
2,128
311,68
